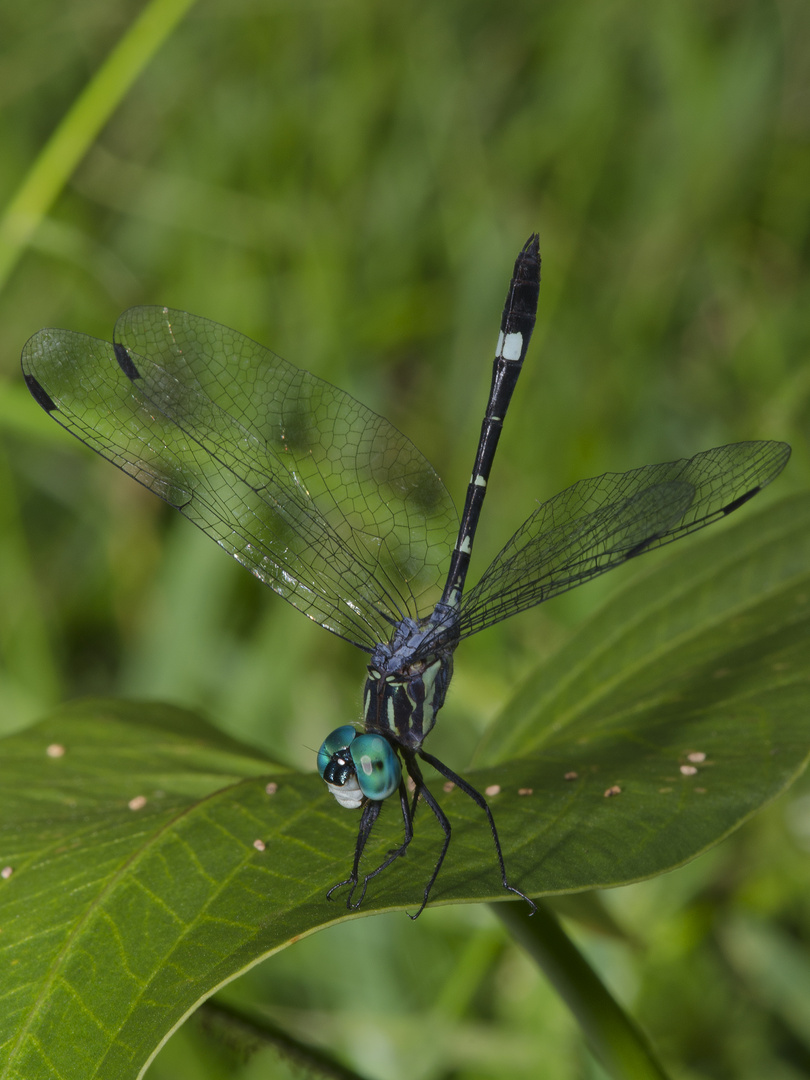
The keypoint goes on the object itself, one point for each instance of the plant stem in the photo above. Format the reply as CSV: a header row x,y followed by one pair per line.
x,y
81,124
617,1041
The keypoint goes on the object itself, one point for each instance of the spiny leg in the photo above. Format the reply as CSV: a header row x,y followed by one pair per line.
x,y
423,790
479,800
371,811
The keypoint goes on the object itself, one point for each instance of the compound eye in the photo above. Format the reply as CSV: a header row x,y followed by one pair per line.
x,y
338,740
377,766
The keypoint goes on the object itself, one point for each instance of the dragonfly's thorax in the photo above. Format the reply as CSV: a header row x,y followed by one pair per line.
x,y
406,688
403,705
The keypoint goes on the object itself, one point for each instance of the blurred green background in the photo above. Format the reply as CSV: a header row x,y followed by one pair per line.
x,y
350,183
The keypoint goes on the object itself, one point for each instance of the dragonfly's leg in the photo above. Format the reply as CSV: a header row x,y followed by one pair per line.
x,y
479,800
423,790
394,853
371,812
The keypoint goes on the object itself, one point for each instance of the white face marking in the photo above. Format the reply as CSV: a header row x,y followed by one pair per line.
x,y
465,545
512,346
480,481
349,795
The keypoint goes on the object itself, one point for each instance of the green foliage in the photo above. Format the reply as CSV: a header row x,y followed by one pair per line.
x,y
132,829
349,184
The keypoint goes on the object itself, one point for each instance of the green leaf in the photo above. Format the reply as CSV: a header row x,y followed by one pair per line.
x,y
689,693
119,917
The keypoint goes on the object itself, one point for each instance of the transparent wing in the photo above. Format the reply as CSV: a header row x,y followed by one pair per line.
x,y
319,497
597,524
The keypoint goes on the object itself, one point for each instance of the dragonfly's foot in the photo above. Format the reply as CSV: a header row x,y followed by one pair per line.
x,y
340,884
351,905
523,896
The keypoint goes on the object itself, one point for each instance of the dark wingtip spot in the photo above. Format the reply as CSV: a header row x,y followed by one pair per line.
x,y
38,393
641,546
125,361
732,506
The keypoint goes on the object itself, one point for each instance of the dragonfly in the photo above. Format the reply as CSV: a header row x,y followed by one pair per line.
x,y
329,505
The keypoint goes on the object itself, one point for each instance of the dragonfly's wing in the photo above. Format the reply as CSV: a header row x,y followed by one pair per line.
x,y
597,524
318,496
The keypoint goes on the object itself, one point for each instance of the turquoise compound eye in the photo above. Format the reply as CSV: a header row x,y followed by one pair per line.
x,y
377,766
339,739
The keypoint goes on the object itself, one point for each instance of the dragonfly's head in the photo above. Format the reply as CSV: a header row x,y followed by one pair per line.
x,y
357,767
